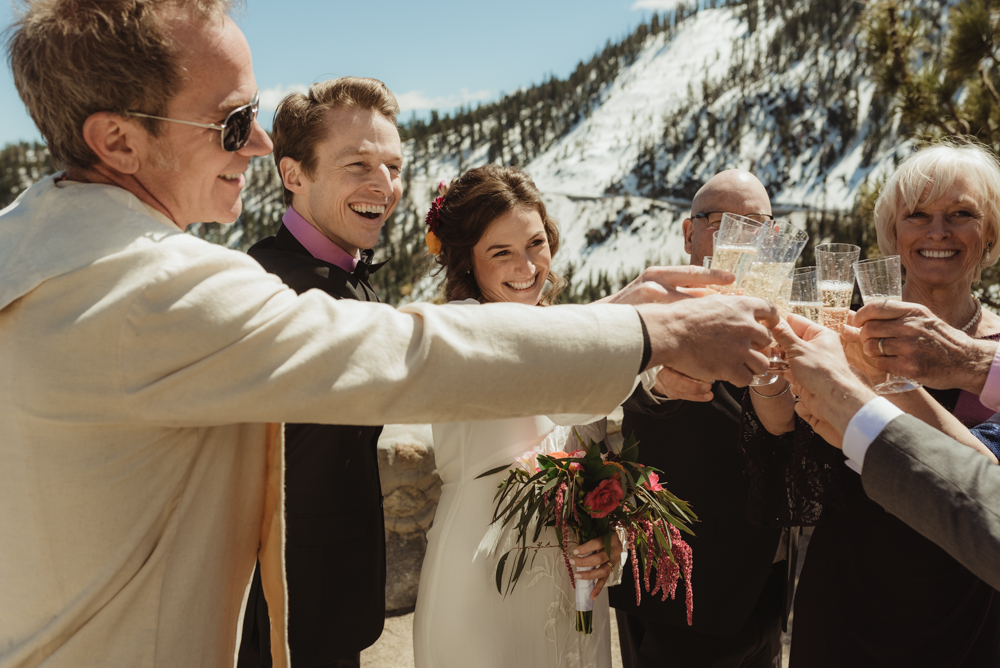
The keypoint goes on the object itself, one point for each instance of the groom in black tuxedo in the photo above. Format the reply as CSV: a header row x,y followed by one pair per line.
x,y
690,430
340,158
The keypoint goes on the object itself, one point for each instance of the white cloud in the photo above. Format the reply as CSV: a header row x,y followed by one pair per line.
x,y
417,100
270,97
655,5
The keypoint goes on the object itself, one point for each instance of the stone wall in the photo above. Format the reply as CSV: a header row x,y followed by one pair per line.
x,y
412,488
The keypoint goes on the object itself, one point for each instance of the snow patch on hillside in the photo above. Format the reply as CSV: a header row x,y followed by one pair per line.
x,y
604,147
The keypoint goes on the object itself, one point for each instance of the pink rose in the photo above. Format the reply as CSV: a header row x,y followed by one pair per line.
x,y
653,484
604,500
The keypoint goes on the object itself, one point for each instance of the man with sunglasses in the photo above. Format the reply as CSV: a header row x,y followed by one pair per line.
x,y
690,429
146,372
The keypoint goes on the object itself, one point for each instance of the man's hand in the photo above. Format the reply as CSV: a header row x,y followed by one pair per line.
x,y
675,385
669,284
717,337
829,393
917,344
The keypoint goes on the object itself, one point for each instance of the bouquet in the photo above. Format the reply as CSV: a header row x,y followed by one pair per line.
x,y
591,493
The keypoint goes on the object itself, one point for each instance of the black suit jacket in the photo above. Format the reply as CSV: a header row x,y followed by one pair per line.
x,y
695,445
335,543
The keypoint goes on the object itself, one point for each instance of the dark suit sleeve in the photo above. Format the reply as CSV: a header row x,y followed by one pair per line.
x,y
946,491
645,402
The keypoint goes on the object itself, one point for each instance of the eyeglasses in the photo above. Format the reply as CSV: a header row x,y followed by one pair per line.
x,y
715,217
234,131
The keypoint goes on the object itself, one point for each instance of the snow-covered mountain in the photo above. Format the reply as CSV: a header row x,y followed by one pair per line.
x,y
620,145
781,92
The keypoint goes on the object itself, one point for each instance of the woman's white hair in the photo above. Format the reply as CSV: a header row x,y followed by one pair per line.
x,y
927,175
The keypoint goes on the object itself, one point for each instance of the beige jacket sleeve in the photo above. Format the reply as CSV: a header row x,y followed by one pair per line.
x,y
216,340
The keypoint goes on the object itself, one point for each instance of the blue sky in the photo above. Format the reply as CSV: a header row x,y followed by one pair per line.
x,y
432,55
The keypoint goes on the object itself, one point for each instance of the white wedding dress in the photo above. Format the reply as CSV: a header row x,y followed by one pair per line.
x,y
461,620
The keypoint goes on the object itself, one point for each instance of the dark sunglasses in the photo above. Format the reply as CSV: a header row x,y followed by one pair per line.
x,y
234,131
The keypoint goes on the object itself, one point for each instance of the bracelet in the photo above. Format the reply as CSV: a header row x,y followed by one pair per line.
x,y
771,396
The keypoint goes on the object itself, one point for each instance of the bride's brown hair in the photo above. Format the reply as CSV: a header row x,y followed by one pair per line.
x,y
473,202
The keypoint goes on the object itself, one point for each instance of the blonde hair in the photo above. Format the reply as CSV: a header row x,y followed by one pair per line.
x,y
300,120
73,58
927,175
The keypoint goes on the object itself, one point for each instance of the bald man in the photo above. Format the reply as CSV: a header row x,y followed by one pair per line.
x,y
689,428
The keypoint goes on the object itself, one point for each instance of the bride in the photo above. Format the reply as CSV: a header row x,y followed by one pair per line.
x,y
496,244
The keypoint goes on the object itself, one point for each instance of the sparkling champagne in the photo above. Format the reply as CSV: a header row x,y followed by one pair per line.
x,y
811,310
734,259
877,298
771,280
836,297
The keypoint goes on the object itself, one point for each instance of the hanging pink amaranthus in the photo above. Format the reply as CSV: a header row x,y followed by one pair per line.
x,y
630,538
669,566
564,530
650,540
682,554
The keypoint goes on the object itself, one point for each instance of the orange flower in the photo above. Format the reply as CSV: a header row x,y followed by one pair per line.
x,y
621,469
433,243
562,454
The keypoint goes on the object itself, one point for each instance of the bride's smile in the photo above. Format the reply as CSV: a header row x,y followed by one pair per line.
x,y
511,260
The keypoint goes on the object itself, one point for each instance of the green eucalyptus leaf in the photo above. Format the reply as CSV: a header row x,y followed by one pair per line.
x,y
494,471
630,450
500,565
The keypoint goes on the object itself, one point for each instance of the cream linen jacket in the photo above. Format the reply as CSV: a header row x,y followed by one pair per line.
x,y
143,371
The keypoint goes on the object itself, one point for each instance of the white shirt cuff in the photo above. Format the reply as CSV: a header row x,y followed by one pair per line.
x,y
864,427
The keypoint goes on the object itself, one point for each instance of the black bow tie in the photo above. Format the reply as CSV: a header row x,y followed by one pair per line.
x,y
365,267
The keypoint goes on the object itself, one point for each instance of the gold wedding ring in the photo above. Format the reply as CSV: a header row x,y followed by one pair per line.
x,y
881,351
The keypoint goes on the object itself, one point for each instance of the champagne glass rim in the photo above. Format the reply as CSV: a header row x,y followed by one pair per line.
x,y
836,249
744,219
884,259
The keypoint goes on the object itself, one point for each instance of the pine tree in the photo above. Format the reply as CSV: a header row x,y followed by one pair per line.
x,y
938,83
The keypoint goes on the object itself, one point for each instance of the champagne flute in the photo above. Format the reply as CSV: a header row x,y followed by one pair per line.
x,y
881,278
733,250
836,281
733,247
805,300
771,277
